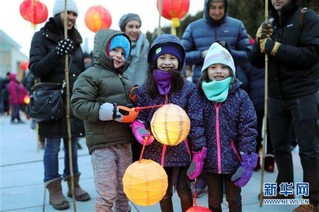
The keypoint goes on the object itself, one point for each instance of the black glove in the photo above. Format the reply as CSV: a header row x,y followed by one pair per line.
x,y
264,31
269,46
64,47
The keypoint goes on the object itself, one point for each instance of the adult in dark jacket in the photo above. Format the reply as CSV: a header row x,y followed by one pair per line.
x,y
47,62
214,26
291,40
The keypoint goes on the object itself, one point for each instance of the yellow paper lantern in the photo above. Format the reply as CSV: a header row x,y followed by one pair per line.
x,y
145,182
170,125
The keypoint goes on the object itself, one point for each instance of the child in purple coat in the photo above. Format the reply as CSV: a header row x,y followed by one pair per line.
x,y
230,120
164,85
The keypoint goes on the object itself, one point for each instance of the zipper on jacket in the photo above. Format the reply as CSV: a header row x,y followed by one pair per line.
x,y
219,157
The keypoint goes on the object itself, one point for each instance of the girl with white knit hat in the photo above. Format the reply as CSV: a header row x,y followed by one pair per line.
x,y
230,121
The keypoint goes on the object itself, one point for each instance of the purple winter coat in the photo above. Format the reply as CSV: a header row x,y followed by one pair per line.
x,y
230,129
188,99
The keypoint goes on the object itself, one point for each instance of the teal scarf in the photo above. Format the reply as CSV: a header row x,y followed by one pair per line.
x,y
217,91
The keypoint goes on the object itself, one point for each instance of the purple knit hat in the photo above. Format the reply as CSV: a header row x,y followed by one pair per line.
x,y
167,44
168,48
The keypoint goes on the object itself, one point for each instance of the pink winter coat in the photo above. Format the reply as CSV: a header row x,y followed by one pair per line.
x,y
16,90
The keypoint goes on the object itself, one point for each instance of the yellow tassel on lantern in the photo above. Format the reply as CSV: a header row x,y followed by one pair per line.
x,y
170,125
175,23
145,182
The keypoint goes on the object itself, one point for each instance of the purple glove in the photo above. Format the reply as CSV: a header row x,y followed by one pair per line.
x,y
140,133
245,171
196,166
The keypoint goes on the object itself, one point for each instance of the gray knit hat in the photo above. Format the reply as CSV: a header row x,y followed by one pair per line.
x,y
128,17
59,7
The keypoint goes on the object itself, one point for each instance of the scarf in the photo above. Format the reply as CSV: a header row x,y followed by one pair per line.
x,y
217,91
163,79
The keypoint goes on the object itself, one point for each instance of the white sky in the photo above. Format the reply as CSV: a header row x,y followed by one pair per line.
x,y
20,30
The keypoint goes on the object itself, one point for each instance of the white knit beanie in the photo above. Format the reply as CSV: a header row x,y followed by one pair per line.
x,y
59,7
217,54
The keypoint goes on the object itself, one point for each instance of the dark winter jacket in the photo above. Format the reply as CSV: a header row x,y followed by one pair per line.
x,y
99,84
200,34
230,129
188,99
49,67
294,71
256,91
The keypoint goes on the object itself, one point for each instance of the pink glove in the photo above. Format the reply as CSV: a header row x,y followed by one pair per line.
x,y
140,133
197,164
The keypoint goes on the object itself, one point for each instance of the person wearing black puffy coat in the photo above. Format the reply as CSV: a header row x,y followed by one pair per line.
x,y
291,40
47,62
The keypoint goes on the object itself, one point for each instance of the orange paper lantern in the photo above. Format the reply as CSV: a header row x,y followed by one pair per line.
x,y
34,11
198,209
145,182
170,124
26,99
97,17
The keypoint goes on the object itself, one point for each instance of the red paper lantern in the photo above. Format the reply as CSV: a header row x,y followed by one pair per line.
x,y
172,9
97,17
34,11
24,65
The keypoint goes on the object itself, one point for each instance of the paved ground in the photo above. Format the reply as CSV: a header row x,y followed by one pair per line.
x,y
22,188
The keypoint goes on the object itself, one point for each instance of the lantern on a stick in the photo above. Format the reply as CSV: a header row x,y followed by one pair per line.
x,y
97,17
34,11
170,125
173,10
145,182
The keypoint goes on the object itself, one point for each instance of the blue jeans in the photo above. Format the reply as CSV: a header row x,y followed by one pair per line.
x,y
15,112
51,160
302,116
216,184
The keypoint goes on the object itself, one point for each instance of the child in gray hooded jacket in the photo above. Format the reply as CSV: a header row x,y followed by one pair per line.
x,y
100,97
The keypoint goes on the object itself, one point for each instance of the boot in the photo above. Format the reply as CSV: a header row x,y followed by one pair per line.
x,y
80,194
269,163
57,200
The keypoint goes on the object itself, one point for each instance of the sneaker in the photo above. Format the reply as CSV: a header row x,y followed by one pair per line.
x,y
21,122
307,208
201,188
200,191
